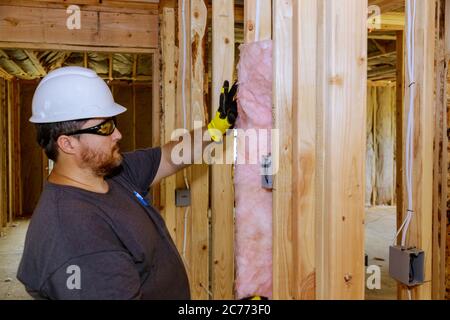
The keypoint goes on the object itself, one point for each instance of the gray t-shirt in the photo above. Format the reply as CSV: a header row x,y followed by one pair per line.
x,y
86,245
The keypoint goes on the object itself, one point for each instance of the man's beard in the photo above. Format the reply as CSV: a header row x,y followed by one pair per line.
x,y
102,164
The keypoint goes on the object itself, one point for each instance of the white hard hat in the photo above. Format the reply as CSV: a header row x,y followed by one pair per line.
x,y
73,93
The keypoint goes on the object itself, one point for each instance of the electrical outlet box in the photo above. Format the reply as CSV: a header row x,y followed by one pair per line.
x,y
406,265
182,197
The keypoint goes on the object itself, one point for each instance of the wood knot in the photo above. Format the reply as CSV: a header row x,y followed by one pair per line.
x,y
336,80
227,41
348,277
12,21
250,26
196,15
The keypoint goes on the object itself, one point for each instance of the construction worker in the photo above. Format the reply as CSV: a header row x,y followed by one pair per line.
x,y
93,235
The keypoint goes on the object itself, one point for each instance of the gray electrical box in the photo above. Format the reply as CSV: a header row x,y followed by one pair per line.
x,y
182,197
406,265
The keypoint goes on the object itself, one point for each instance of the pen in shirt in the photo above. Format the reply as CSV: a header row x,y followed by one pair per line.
x,y
141,199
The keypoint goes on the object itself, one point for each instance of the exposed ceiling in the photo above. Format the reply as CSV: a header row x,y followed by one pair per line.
x,y
34,64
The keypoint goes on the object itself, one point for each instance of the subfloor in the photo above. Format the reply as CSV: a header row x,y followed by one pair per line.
x,y
11,248
380,232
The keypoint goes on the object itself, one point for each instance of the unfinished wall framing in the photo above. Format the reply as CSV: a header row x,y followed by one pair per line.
x,y
319,108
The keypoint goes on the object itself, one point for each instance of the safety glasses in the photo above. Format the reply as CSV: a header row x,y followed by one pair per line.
x,y
106,128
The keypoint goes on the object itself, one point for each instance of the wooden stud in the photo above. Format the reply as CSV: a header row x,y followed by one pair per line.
x,y
420,230
256,15
447,30
375,151
284,241
400,116
15,194
11,159
3,156
304,146
440,168
168,108
199,264
182,229
156,117
341,141
221,191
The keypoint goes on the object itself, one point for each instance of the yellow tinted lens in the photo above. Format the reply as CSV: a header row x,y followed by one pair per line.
x,y
107,127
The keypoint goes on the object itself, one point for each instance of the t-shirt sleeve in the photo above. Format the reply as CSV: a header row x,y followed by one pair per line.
x,y
141,167
97,276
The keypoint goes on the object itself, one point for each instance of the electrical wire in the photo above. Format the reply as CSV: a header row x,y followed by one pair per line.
x,y
411,89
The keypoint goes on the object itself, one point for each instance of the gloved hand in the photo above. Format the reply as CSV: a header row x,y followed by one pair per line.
x,y
227,114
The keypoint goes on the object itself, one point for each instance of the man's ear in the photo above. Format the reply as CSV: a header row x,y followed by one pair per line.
x,y
67,144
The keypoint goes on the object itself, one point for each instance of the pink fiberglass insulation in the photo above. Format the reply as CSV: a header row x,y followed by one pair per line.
x,y
253,245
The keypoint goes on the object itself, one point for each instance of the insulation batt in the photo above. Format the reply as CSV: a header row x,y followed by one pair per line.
x,y
253,247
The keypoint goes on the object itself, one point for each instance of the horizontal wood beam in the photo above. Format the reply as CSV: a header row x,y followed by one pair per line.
x,y
121,6
46,28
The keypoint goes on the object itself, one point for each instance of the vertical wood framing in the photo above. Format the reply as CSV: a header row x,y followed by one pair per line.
x,y
15,201
447,30
420,230
341,94
304,144
284,271
440,168
156,117
3,155
168,112
257,20
221,190
156,106
183,216
199,264
399,117
319,188
447,59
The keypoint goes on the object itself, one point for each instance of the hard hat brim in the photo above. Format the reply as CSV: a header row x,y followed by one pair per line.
x,y
113,111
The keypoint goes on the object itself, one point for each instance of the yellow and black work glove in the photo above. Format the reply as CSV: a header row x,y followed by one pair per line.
x,y
227,114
